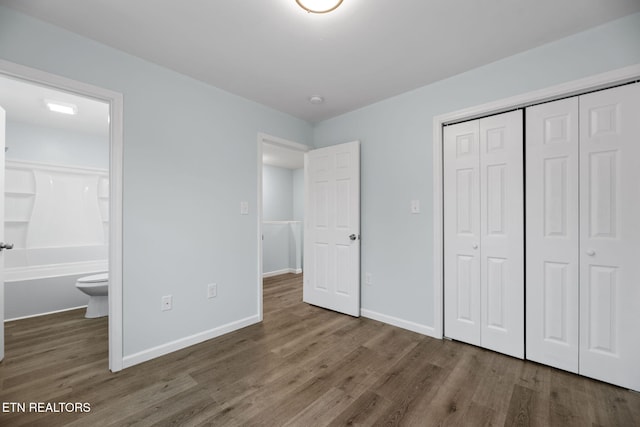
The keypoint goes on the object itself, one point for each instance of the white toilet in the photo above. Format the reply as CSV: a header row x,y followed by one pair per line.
x,y
97,287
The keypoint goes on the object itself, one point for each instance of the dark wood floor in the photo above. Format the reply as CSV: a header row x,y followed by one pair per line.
x,y
303,366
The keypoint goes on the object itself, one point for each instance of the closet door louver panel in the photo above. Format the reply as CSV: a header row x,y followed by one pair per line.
x,y
552,152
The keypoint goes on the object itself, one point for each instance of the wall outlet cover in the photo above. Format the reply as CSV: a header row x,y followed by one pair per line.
x,y
167,303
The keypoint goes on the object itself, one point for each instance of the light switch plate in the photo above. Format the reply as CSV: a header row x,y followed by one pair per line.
x,y
212,290
244,208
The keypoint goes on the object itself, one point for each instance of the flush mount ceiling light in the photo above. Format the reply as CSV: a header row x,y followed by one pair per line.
x,y
61,107
319,6
316,99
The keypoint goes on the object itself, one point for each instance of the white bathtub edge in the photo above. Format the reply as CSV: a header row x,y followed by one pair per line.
x,y
17,274
44,314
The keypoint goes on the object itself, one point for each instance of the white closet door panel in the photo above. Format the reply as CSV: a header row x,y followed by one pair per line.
x,y
552,152
462,232
502,233
610,235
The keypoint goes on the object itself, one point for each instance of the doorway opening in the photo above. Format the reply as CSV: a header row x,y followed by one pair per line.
x,y
63,194
280,208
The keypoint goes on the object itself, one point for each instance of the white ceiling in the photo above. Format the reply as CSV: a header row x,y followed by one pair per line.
x,y
25,103
273,52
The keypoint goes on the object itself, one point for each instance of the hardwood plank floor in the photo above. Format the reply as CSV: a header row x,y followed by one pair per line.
x,y
303,366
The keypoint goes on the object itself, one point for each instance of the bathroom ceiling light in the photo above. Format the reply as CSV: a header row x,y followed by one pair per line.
x,y
61,107
316,99
319,6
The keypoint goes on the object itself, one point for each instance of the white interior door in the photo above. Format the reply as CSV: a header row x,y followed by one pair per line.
x,y
483,230
2,145
332,228
610,235
461,153
502,233
552,152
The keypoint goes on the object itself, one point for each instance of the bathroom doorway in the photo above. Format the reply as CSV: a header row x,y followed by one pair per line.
x,y
62,159
280,207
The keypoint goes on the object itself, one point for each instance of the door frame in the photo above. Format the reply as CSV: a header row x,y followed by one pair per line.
x,y
572,88
289,145
115,101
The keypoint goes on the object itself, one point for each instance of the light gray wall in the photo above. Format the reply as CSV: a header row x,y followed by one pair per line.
x,y
396,138
277,193
298,194
189,160
56,146
186,172
282,248
282,200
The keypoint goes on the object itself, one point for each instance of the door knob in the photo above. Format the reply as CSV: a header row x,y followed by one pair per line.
x,y
591,252
474,246
353,236
5,246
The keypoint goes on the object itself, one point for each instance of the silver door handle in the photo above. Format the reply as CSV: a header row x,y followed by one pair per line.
x,y
5,246
591,252
474,246
354,237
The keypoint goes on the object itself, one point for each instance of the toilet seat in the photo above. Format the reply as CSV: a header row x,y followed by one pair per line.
x,y
97,287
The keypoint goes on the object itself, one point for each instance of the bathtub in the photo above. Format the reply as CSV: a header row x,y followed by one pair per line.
x,y
57,218
49,286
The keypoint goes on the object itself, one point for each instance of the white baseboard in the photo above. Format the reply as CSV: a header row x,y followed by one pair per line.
x,y
283,271
181,343
401,323
44,314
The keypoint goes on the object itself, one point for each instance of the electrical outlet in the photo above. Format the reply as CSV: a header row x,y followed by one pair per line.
x,y
167,303
212,290
368,279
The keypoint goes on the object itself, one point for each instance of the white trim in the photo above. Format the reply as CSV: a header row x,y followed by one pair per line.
x,y
261,138
52,167
281,142
281,222
283,271
45,314
16,274
400,323
181,343
563,90
116,147
598,81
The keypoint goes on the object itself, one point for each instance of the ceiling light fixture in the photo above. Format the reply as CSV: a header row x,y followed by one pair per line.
x,y
61,107
316,99
319,6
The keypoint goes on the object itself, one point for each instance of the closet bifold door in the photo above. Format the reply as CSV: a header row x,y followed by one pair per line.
x,y
610,235
502,233
552,155
483,233
461,204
